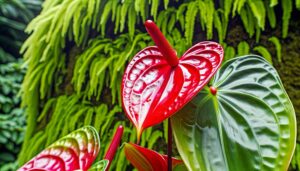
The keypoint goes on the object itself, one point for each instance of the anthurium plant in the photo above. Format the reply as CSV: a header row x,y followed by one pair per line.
x,y
224,117
240,119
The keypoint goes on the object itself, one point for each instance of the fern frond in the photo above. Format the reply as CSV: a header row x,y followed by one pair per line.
x,y
273,3
166,3
124,10
271,16
105,15
298,7
287,8
203,11
131,21
218,26
229,53
209,18
190,21
277,44
237,6
227,8
180,14
259,11
248,20
243,48
264,52
154,8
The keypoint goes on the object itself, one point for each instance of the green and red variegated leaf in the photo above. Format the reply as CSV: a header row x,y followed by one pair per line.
x,y
76,151
244,121
148,160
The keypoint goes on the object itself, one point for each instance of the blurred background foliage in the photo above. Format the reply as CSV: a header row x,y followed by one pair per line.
x,y
77,51
14,16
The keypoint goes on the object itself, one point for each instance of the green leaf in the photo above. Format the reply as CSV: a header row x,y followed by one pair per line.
x,y
229,53
248,20
237,6
99,166
218,26
271,16
298,4
273,3
287,8
264,52
249,123
243,48
259,11
190,21
227,8
209,18
277,44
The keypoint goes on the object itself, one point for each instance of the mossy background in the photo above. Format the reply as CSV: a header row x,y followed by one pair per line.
x,y
77,50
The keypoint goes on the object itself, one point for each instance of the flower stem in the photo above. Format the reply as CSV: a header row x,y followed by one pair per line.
x,y
114,145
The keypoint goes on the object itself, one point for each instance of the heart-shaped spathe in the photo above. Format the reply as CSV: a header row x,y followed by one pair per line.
x,y
153,90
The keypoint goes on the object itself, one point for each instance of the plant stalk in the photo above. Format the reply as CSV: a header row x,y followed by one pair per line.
x,y
169,145
114,146
162,43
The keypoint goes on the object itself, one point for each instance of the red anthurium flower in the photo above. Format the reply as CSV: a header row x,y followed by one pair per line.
x,y
156,83
148,160
76,151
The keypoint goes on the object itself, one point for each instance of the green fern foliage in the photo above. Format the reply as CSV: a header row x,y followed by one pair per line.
x,y
271,16
277,44
229,53
264,52
298,4
287,7
259,11
243,48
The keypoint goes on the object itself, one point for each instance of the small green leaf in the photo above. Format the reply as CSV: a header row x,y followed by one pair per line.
x,y
271,16
264,52
287,8
99,166
229,53
277,44
298,4
243,48
273,3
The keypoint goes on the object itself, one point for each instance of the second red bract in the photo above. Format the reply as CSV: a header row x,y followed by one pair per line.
x,y
155,87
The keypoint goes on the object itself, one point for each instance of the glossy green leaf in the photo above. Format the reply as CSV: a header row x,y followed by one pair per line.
x,y
248,124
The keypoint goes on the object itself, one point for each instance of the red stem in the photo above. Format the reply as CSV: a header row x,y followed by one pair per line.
x,y
162,43
169,145
114,145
